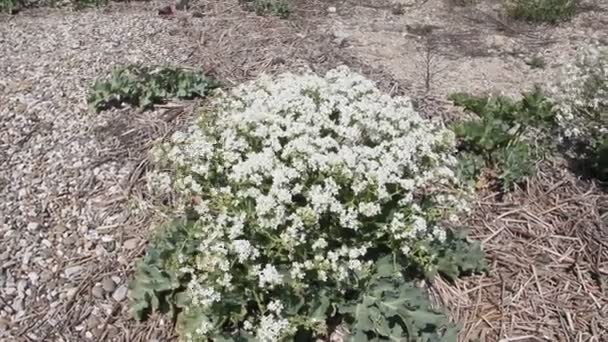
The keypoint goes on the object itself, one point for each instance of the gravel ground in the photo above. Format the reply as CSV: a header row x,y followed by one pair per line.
x,y
65,236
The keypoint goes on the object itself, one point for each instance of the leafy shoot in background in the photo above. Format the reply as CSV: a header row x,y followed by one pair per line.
x,y
503,135
82,4
143,86
8,6
542,11
536,62
279,8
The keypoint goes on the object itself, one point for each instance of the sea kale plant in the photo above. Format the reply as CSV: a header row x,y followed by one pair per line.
x,y
305,200
582,103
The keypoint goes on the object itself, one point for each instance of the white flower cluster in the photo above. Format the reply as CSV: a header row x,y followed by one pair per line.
x,y
582,95
296,178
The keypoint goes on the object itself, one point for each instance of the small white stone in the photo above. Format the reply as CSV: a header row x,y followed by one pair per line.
x,y
131,244
18,304
71,271
97,291
32,226
33,277
108,284
120,294
21,286
107,238
331,9
70,293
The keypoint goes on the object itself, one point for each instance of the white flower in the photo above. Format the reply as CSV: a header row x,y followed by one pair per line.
x,y
418,225
269,276
204,327
275,306
440,234
203,296
244,250
296,271
271,328
319,244
247,326
369,209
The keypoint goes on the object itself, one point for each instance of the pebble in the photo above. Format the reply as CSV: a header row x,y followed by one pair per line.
x,y
331,9
45,276
18,304
97,291
21,286
71,292
108,284
70,240
33,277
32,226
131,244
120,294
72,271
3,325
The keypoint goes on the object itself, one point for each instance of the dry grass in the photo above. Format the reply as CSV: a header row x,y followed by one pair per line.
x,y
235,45
547,246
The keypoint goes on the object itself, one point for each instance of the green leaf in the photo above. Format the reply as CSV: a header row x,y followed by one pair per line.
x,y
320,305
394,309
456,256
385,266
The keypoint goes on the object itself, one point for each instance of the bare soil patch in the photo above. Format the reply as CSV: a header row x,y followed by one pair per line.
x,y
475,47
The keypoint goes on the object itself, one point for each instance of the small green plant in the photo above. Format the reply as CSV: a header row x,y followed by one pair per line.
x,y
145,86
545,11
279,8
503,135
82,4
8,6
536,62
463,3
